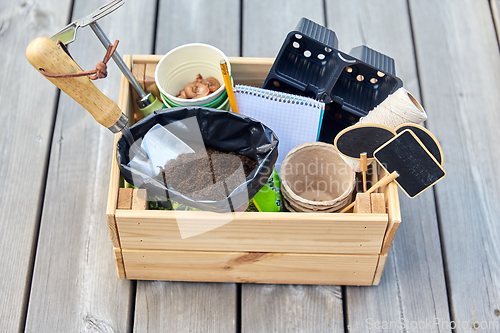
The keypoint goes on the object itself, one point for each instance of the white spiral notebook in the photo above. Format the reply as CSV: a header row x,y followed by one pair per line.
x,y
294,119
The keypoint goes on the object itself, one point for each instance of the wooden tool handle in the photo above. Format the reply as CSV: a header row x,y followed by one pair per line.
x,y
384,181
45,54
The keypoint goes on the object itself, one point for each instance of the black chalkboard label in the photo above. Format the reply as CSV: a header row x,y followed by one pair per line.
x,y
362,138
427,139
417,168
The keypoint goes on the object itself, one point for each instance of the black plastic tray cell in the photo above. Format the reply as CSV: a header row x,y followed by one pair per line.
x,y
281,86
335,119
375,59
360,88
305,61
366,80
307,64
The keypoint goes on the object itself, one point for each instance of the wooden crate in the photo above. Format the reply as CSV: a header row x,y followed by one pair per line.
x,y
297,248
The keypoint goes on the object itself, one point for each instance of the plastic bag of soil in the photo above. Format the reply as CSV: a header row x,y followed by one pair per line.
x,y
222,130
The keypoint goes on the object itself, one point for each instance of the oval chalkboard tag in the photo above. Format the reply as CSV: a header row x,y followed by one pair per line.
x,y
362,138
417,168
426,137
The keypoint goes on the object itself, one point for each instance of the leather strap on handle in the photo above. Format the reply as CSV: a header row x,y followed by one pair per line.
x,y
45,54
100,71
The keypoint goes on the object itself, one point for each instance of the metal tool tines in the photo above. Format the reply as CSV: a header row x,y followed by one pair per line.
x,y
68,33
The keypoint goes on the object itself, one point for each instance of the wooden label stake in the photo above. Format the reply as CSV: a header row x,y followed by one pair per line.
x,y
384,181
364,167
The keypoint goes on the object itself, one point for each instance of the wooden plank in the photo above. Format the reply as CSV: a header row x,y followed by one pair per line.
x,y
251,76
468,199
254,232
124,103
149,80
185,307
113,231
26,124
378,203
198,21
382,259
147,58
415,263
394,212
182,306
267,23
139,199
125,198
374,168
363,204
128,198
75,286
250,267
120,267
139,71
495,10
294,308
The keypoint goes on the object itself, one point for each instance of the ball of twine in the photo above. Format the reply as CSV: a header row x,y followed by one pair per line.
x,y
399,108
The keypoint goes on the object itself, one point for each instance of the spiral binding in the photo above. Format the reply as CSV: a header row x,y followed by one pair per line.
x,y
279,97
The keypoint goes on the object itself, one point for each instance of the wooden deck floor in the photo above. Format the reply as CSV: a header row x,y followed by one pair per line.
x,y
58,270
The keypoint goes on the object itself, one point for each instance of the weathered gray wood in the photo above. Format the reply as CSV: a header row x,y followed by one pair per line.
x,y
75,285
184,306
266,23
415,261
284,308
495,11
26,123
383,26
291,308
459,62
198,21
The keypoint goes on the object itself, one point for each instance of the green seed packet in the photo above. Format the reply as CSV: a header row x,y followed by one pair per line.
x,y
268,199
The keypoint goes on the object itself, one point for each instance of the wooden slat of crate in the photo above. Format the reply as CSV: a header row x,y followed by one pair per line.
x,y
363,204
378,203
394,213
250,71
125,197
241,72
125,105
139,71
377,207
149,79
250,267
120,267
380,269
258,232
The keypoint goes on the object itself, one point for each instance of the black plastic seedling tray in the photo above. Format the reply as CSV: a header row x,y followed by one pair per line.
x,y
310,64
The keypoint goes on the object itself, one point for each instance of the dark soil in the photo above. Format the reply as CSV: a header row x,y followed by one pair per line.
x,y
207,178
